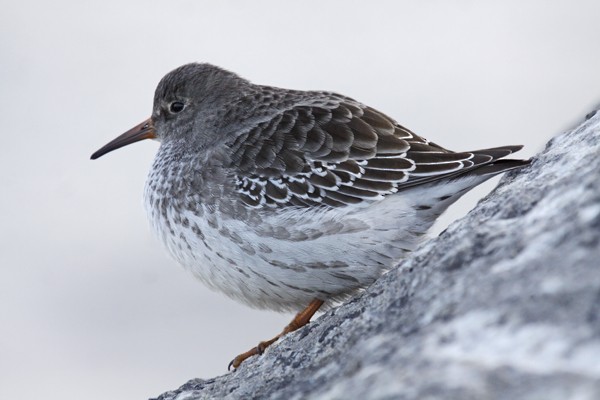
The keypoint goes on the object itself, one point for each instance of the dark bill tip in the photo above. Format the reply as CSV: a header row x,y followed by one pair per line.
x,y
145,130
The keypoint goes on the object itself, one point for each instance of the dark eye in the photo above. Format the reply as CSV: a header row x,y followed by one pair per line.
x,y
176,106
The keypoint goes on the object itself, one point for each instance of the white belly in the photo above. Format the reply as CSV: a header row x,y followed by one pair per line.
x,y
294,256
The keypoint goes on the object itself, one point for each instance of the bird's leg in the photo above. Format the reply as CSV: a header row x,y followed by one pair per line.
x,y
301,319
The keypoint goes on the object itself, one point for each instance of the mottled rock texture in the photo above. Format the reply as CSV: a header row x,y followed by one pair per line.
x,y
505,304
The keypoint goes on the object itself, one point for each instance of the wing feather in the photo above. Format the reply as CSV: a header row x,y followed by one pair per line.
x,y
330,150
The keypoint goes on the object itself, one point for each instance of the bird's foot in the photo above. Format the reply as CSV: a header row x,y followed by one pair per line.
x,y
301,319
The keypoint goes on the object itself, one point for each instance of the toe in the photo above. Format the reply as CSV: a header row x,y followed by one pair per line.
x,y
237,361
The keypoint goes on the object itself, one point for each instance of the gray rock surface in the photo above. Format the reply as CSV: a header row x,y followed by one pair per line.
x,y
505,304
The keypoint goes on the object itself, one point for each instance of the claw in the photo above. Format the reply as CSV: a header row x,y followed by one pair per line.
x,y
231,365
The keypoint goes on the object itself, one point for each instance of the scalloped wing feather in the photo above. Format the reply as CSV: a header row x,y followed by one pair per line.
x,y
339,152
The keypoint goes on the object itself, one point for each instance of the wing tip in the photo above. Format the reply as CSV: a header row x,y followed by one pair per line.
x,y
498,152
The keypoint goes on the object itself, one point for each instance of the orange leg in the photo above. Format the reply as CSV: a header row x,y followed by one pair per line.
x,y
301,319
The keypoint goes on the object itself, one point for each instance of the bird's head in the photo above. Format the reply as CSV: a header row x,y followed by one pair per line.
x,y
189,105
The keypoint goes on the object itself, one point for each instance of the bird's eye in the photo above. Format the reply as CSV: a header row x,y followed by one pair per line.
x,y
176,106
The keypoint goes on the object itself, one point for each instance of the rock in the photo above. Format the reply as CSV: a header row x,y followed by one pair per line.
x,y
504,304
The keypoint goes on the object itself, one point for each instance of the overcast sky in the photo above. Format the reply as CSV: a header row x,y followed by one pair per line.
x,y
90,304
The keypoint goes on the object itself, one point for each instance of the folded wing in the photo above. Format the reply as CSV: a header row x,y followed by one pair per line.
x,y
339,152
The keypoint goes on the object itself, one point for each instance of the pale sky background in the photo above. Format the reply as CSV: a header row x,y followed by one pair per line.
x,y
90,304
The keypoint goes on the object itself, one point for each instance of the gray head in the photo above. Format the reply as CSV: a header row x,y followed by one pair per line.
x,y
189,104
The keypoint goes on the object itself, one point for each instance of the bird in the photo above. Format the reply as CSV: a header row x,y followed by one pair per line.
x,y
291,200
